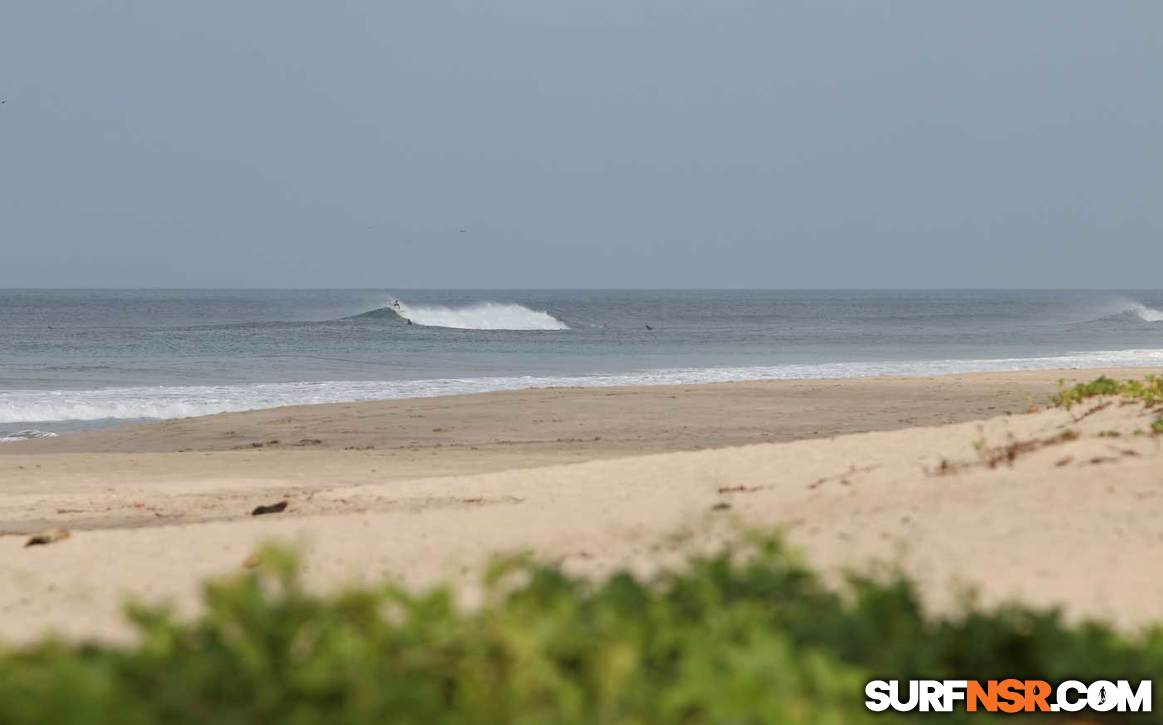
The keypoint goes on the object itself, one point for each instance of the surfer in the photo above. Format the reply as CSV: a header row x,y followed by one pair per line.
x,y
648,327
396,304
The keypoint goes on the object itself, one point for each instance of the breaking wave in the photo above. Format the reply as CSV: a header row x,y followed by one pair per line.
x,y
25,435
480,316
44,406
1145,313
1129,309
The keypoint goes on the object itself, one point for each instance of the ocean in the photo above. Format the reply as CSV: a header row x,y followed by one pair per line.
x,y
75,359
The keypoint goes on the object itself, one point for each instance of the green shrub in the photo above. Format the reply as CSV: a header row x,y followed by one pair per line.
x,y
750,635
1148,391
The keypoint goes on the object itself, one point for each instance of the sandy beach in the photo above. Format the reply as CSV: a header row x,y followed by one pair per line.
x,y
888,469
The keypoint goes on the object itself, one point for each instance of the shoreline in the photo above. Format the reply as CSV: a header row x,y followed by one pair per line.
x,y
424,489
185,401
158,434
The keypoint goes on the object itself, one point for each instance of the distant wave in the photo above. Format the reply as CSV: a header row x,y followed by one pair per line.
x,y
1129,309
480,316
25,435
251,325
41,406
1147,314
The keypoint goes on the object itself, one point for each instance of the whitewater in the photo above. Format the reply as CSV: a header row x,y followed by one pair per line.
x,y
1125,308
482,316
74,359
177,402
1145,313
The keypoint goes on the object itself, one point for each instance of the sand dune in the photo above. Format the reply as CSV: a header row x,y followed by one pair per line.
x,y
424,490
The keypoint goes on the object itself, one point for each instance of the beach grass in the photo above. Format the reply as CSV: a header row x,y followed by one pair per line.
x,y
1148,391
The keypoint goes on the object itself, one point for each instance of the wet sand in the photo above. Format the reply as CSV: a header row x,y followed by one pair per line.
x,y
425,489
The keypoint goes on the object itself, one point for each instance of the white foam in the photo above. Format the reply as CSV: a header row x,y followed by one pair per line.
x,y
1147,314
25,435
1125,306
38,406
480,316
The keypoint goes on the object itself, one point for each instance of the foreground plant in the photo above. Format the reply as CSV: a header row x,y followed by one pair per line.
x,y
748,635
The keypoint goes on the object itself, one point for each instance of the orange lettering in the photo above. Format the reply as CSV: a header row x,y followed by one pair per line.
x,y
975,693
1037,693
1012,694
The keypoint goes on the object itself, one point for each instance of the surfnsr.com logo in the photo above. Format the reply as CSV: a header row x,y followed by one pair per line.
x,y
1009,696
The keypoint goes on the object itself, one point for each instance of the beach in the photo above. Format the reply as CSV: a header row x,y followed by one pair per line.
x,y
425,490
668,363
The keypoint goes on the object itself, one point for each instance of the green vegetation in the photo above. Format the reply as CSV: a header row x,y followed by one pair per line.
x,y
1148,391
749,635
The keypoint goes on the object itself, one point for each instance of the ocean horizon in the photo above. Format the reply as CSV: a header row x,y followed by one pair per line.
x,y
72,359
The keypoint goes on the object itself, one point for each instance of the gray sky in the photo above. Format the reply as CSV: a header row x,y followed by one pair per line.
x,y
596,143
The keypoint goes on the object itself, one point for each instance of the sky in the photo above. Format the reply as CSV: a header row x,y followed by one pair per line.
x,y
588,143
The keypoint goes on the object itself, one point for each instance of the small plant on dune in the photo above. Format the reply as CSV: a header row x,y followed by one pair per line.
x,y
1148,391
1069,396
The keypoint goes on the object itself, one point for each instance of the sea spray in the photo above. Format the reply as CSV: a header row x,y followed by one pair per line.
x,y
1128,309
480,316
1147,314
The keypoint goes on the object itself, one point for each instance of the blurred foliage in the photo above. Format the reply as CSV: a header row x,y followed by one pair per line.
x,y
748,635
